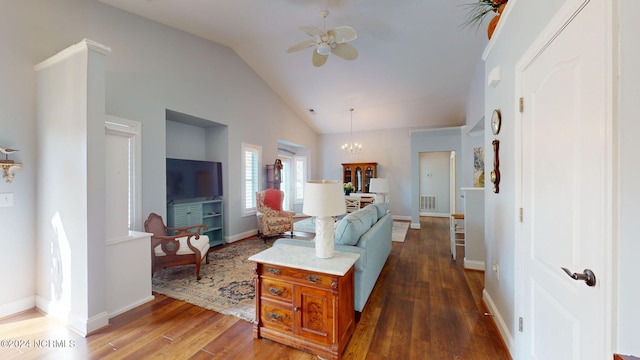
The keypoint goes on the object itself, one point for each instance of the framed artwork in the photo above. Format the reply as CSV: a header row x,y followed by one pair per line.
x,y
478,166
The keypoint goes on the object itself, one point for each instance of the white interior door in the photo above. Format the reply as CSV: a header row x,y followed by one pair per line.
x,y
566,193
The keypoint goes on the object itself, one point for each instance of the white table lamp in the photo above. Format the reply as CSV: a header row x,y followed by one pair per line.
x,y
379,186
324,199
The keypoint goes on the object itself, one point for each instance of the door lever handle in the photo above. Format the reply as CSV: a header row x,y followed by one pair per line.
x,y
587,276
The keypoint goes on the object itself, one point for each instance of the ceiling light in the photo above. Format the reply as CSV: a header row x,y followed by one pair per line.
x,y
323,49
351,146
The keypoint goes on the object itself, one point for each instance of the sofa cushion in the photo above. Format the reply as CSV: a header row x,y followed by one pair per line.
x,y
351,228
381,208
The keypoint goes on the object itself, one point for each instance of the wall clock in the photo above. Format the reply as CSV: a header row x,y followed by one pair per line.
x,y
496,121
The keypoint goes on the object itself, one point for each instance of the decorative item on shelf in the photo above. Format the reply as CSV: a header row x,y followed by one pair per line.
x,y
495,174
380,186
348,188
478,10
9,166
351,146
324,199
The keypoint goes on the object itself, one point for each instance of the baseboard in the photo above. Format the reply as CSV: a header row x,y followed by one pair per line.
x,y
473,264
241,236
499,321
401,217
17,306
131,306
415,225
77,324
432,214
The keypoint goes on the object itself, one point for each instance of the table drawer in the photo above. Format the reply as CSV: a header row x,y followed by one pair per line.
x,y
303,276
273,316
276,290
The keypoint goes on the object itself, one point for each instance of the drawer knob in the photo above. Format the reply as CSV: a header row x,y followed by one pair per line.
x,y
275,316
296,309
313,279
273,271
275,291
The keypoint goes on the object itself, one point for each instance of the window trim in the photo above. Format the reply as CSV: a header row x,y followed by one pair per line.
x,y
257,149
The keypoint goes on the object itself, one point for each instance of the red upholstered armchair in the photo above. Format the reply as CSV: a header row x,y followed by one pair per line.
x,y
272,220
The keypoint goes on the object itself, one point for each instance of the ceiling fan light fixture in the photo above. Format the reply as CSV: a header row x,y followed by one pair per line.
x,y
326,42
323,49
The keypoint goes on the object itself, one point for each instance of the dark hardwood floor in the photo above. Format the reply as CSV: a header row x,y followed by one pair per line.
x,y
424,306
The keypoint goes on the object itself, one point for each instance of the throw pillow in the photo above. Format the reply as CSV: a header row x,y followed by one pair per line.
x,y
382,209
272,199
353,226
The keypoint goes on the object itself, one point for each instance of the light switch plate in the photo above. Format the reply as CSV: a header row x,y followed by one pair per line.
x,y
6,199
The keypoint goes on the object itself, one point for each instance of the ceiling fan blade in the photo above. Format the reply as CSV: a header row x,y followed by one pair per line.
x,y
318,60
342,34
312,30
345,51
301,46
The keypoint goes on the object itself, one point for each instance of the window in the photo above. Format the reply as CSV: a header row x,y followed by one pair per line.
x,y
251,156
122,170
300,178
294,176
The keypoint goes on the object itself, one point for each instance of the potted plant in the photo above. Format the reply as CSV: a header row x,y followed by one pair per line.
x,y
478,10
348,188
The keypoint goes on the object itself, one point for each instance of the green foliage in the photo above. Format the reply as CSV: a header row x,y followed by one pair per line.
x,y
476,12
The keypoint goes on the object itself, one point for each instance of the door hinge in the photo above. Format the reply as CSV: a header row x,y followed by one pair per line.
x,y
521,215
520,324
521,104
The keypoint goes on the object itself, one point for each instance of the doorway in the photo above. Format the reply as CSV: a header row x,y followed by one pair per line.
x,y
437,179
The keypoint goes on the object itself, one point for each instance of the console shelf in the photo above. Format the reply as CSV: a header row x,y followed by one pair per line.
x,y
208,212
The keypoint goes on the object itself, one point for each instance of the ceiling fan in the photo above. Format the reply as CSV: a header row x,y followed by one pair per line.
x,y
328,41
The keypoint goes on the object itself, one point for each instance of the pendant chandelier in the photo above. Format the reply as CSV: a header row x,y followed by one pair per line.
x,y
351,146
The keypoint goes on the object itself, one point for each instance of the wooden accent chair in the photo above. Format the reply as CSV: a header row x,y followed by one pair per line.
x,y
352,203
184,248
272,220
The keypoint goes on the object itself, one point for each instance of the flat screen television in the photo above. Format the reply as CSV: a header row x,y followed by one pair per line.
x,y
193,179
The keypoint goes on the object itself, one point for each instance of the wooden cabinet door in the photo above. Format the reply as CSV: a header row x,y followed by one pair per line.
x,y
314,314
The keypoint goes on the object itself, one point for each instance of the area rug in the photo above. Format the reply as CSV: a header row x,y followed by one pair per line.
x,y
226,285
398,232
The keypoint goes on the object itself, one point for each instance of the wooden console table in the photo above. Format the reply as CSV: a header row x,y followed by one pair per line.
x,y
304,301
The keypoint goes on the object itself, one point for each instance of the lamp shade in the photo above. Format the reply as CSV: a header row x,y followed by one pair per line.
x,y
323,198
379,185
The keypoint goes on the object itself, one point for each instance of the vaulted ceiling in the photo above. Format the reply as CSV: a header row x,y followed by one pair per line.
x,y
414,66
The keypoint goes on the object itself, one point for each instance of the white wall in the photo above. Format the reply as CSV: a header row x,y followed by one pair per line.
x,y
389,148
70,215
150,69
474,133
527,19
435,178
